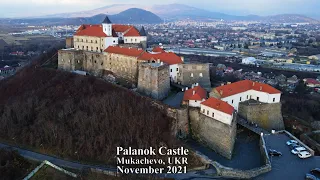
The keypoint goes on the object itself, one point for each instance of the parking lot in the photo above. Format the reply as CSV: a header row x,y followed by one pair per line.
x,y
288,166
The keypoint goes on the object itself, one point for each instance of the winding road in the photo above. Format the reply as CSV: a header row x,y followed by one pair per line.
x,y
194,175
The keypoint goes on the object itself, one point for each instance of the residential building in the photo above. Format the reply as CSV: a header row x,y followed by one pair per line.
x,y
218,110
195,96
241,91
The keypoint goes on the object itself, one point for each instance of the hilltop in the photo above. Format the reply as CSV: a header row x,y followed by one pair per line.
x,y
61,113
129,16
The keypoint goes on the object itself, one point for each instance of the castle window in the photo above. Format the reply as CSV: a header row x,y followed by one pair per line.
x,y
114,41
78,47
170,70
274,99
203,111
97,49
240,99
247,96
213,115
136,40
95,61
131,40
96,42
91,41
258,98
200,75
208,112
232,101
191,75
102,64
86,40
195,101
177,69
82,47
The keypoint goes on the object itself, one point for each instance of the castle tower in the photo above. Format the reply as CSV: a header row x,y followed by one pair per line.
x,y
107,26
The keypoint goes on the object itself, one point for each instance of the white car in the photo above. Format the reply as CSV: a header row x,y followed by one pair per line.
x,y
297,150
291,142
304,154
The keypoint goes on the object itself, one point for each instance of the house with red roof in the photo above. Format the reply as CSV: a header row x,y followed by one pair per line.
x,y
195,96
218,110
312,82
245,90
98,37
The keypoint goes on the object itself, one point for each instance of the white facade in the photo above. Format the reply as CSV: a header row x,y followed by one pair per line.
x,y
194,103
218,115
263,97
107,29
174,70
134,39
249,60
111,41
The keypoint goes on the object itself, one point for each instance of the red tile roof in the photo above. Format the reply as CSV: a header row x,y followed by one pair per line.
x,y
127,30
121,28
90,30
169,58
245,85
132,32
97,30
199,94
219,105
312,81
158,49
124,51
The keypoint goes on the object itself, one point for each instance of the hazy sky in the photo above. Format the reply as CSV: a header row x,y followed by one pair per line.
x,y
20,8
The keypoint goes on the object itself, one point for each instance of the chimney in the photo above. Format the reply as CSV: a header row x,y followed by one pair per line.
x,y
192,86
182,58
229,83
260,88
197,84
187,88
222,84
193,92
161,63
253,83
221,92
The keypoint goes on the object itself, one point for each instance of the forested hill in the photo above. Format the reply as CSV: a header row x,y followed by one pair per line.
x,y
61,113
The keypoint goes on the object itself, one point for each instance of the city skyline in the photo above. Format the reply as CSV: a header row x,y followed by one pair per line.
x,y
23,8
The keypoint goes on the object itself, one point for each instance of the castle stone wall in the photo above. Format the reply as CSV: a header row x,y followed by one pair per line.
x,y
194,73
218,136
267,116
154,80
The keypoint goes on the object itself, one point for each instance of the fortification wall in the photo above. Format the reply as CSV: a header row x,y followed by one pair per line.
x,y
267,116
68,59
153,80
228,172
194,73
218,136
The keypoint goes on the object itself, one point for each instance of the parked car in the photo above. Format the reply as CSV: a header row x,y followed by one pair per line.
x,y
293,146
315,171
304,154
297,150
310,177
274,153
291,142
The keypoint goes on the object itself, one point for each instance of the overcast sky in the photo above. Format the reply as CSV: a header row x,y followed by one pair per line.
x,y
22,8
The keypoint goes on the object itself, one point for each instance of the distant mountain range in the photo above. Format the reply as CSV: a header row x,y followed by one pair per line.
x,y
129,16
172,12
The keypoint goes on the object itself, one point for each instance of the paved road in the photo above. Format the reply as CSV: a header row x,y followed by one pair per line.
x,y
59,162
289,166
252,127
175,100
195,175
